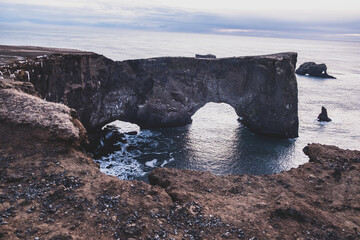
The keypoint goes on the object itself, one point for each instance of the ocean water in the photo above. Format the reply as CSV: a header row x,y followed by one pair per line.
x,y
216,141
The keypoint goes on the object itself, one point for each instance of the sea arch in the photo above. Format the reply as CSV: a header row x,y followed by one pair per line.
x,y
167,91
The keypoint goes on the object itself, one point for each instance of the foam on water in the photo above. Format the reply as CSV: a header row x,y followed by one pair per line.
x,y
151,163
124,168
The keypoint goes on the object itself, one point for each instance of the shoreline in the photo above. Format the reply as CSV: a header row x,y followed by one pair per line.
x,y
50,188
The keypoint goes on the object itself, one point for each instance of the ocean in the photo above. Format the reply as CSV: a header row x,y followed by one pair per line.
x,y
216,141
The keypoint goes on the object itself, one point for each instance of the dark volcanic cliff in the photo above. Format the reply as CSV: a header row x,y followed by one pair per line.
x,y
163,92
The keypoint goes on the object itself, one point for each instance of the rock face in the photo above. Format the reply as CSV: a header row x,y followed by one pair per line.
x,y
313,69
165,92
323,117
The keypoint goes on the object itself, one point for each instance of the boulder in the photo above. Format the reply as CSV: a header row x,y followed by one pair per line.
x,y
313,69
49,121
323,117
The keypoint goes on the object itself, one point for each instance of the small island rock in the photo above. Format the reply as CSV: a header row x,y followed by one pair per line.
x,y
323,117
313,69
205,56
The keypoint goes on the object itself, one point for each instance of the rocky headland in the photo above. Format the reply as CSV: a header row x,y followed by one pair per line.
x,y
314,70
50,188
167,91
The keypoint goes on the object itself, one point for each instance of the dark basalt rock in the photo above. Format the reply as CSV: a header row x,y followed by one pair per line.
x,y
323,117
167,91
105,141
205,56
313,69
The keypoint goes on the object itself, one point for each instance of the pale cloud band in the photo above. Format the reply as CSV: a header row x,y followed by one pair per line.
x,y
226,16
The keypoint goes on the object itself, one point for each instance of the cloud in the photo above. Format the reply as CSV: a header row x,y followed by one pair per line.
x,y
256,18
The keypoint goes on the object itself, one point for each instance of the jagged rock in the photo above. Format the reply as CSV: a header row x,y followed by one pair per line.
x,y
313,69
111,137
205,56
323,117
107,141
166,92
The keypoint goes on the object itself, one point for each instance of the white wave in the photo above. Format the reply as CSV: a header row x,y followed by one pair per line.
x,y
168,161
151,163
122,167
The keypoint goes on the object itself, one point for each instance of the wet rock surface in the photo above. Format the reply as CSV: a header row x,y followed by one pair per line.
x,y
105,141
165,92
313,69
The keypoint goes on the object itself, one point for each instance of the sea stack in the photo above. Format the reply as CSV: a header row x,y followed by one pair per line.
x,y
205,56
314,70
323,117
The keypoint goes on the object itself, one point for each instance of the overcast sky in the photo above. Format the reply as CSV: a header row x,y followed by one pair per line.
x,y
258,17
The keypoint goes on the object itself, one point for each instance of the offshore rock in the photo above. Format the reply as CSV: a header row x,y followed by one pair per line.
x,y
323,116
313,69
122,127
109,142
111,137
166,92
205,56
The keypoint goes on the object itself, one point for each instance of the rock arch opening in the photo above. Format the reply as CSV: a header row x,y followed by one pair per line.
x,y
212,138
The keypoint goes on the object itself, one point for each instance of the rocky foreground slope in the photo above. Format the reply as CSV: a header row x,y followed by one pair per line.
x,y
51,189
